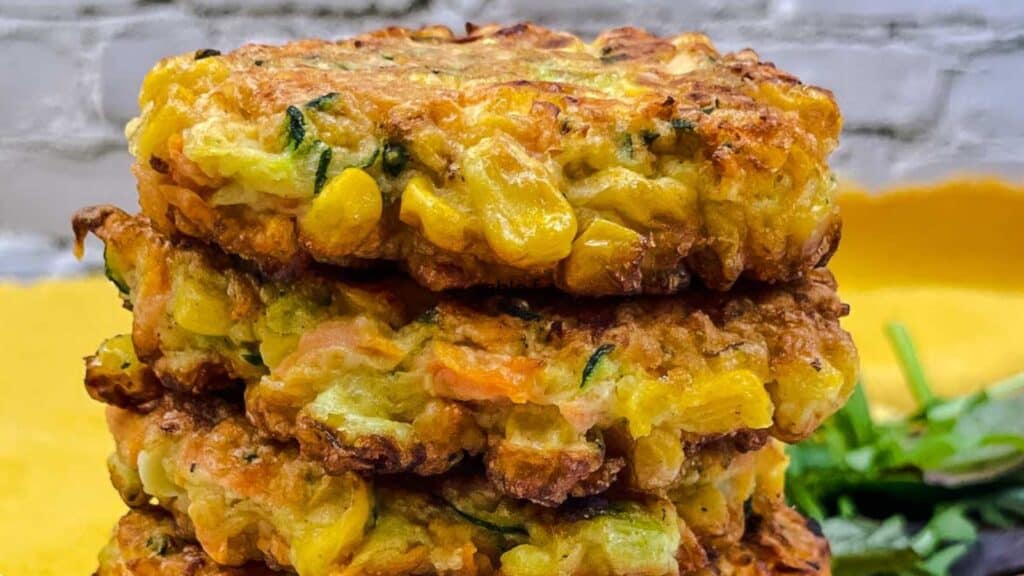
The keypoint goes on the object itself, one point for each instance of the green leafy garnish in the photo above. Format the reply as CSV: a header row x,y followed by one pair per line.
x,y
909,496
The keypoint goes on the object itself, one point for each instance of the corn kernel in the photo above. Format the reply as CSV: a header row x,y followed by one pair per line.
x,y
167,98
317,546
202,307
657,459
807,395
275,347
528,560
725,402
715,404
605,259
154,477
438,220
117,354
526,220
344,213
637,200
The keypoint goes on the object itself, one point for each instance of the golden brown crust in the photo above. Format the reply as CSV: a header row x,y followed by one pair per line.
x,y
779,544
249,499
147,542
747,142
371,380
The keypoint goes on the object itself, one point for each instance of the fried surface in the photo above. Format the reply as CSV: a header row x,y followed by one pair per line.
x,y
245,498
508,156
146,542
557,394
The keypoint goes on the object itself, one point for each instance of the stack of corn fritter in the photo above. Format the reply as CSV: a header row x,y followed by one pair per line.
x,y
502,303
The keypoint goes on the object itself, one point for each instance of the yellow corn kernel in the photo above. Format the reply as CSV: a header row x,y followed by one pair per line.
x,y
201,306
715,404
657,459
117,354
436,219
276,347
806,395
167,97
605,259
148,134
705,508
770,478
526,220
725,402
528,560
317,546
183,71
344,213
638,200
642,403
154,477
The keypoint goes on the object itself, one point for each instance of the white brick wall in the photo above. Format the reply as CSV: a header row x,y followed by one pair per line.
x,y
928,87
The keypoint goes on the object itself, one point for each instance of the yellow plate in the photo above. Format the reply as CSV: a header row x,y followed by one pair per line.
x,y
948,261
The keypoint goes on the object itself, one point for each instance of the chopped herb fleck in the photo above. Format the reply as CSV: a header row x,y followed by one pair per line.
x,y
387,57
429,316
254,358
518,308
323,102
595,359
711,108
250,457
684,125
296,127
125,365
321,170
649,136
206,53
513,529
395,158
158,544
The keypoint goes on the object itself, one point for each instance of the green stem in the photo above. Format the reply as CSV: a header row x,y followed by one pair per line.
x,y
859,412
903,346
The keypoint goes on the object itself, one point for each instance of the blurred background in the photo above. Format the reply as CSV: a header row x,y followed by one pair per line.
x,y
925,85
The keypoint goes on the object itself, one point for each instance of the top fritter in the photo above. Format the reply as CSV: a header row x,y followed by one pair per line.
x,y
510,156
